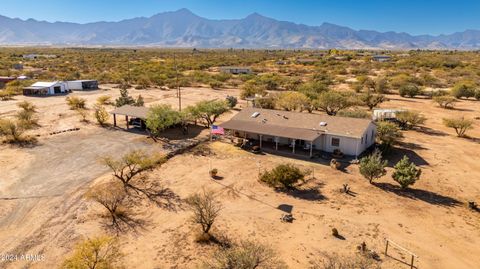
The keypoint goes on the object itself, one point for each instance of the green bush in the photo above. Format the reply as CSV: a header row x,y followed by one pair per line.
x,y
410,90
406,173
76,102
283,176
372,166
463,89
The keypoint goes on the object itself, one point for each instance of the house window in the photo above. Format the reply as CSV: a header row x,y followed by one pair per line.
x,y
335,142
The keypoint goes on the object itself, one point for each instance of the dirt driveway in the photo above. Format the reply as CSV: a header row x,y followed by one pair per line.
x,y
61,164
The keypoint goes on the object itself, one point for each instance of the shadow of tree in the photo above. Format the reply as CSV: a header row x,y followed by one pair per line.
x,y
156,193
309,193
417,194
430,131
127,221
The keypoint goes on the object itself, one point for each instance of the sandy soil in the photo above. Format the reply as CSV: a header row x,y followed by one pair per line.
x,y
431,220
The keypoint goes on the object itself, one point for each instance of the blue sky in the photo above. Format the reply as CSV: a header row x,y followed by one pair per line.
x,y
415,17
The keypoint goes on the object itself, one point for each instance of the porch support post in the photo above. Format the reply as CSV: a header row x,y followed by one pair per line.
x,y
126,118
260,140
293,146
114,120
276,143
311,149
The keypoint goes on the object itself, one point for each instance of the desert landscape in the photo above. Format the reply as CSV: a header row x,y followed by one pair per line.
x,y
45,210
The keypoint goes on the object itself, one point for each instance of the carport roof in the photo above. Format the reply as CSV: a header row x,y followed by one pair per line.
x,y
132,111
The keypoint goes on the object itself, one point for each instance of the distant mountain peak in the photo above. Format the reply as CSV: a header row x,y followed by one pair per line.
x,y
183,28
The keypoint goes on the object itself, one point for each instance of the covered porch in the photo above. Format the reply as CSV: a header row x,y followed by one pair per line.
x,y
280,144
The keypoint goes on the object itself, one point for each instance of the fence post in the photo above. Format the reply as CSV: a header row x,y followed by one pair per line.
x,y
411,265
386,247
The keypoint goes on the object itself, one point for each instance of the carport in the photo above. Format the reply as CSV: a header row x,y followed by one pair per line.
x,y
137,112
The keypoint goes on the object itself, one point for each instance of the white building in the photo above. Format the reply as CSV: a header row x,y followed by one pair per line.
x,y
303,131
81,85
236,70
46,88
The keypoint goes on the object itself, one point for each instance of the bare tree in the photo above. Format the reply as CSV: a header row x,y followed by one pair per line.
x,y
205,209
112,197
131,165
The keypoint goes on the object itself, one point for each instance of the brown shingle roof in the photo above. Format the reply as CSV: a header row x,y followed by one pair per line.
x,y
132,111
305,126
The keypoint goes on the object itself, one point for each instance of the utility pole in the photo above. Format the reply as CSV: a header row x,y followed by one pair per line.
x,y
179,94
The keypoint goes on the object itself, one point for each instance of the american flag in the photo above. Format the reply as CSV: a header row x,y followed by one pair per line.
x,y
218,130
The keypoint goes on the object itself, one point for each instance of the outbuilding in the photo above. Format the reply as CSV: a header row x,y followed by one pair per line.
x,y
236,70
46,88
82,85
302,132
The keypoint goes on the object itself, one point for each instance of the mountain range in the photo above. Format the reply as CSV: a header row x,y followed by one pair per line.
x,y
182,28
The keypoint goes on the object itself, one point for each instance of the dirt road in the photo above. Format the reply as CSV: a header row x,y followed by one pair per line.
x,y
59,165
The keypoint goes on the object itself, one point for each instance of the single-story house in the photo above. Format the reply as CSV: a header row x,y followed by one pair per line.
x,y
5,80
381,58
46,88
80,85
303,131
236,70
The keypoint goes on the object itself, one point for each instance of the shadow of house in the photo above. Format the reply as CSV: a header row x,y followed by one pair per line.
x,y
417,194
396,154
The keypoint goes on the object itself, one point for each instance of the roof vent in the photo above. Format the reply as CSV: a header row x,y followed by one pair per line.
x,y
255,114
323,123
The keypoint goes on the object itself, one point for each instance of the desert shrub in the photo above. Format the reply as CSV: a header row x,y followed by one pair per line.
x,y
27,116
283,176
124,99
6,95
477,94
205,209
291,101
354,113
264,102
406,173
101,114
460,125
388,134
463,89
252,89
445,101
161,117
232,101
335,232
133,163
245,255
335,261
409,119
312,89
208,111
104,100
13,131
75,102
372,166
332,101
99,252
83,113
139,101
111,196
409,90
372,100
215,84
381,85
